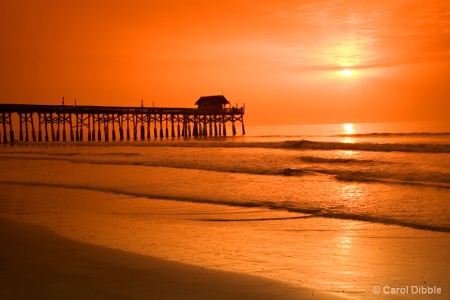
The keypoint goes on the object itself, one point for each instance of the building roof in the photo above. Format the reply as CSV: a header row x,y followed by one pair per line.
x,y
220,99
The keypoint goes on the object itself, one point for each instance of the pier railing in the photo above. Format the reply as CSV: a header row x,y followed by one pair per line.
x,y
91,123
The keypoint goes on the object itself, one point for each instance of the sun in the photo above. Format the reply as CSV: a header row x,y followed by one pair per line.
x,y
347,72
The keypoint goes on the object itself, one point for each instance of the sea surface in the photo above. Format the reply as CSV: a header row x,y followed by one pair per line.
x,y
389,173
336,207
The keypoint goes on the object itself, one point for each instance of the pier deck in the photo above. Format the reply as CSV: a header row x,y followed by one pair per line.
x,y
94,123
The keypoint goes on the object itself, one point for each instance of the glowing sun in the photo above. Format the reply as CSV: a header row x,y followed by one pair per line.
x,y
347,72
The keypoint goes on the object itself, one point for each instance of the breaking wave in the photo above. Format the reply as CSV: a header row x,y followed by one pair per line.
x,y
341,169
313,212
293,144
396,134
382,147
314,159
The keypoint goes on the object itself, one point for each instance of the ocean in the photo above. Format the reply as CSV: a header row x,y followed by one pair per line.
x,y
387,175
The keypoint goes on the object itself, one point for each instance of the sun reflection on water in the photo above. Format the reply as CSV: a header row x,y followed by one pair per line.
x,y
348,129
352,193
345,249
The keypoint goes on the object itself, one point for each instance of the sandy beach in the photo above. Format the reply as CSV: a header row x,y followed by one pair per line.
x,y
37,264
49,252
89,244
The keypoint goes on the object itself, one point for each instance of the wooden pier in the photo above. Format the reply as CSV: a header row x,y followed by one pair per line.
x,y
110,123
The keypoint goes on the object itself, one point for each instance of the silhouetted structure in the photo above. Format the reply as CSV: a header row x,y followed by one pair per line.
x,y
55,122
212,103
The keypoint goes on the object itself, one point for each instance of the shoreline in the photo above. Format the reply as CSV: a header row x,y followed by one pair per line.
x,y
326,257
38,264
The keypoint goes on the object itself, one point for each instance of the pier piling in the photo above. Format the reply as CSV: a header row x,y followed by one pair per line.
x,y
88,122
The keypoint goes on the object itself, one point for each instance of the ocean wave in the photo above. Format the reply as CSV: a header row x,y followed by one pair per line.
x,y
120,154
395,134
342,169
384,220
206,142
375,147
317,145
444,183
41,153
313,212
422,179
315,159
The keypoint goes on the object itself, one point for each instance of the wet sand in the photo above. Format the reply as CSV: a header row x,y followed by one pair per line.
x,y
37,264
87,244
51,248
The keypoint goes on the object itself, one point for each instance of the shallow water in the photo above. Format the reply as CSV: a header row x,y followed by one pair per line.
x,y
340,256
386,180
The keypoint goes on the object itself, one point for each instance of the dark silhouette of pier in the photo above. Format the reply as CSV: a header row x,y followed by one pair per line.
x,y
111,123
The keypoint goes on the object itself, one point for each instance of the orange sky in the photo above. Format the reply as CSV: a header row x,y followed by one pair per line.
x,y
284,59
